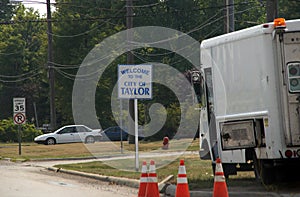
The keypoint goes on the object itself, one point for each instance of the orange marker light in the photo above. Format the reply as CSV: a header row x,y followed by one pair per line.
x,y
279,23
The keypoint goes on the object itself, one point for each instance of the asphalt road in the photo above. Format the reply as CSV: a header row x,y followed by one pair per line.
x,y
22,180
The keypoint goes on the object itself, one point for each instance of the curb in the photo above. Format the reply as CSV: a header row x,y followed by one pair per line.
x,y
118,180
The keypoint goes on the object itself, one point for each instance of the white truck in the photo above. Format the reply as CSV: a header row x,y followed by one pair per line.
x,y
250,116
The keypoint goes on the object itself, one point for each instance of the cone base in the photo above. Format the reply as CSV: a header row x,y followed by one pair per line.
x,y
142,190
182,190
152,190
220,190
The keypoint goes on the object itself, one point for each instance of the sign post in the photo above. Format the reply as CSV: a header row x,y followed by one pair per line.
x,y
135,82
19,118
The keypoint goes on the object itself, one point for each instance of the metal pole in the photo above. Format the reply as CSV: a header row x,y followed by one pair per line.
x,y
35,114
19,139
51,71
229,20
121,124
136,134
272,11
129,25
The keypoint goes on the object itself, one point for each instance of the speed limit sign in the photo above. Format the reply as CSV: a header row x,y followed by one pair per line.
x,y
19,110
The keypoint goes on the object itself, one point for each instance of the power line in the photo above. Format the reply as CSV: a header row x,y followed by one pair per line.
x,y
20,75
86,32
20,79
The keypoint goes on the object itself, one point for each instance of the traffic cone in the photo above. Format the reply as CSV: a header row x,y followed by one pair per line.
x,y
143,181
182,189
220,187
152,186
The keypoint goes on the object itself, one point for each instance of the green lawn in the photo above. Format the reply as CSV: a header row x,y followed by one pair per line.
x,y
199,172
39,151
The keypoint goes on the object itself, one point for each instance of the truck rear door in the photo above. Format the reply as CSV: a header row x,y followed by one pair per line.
x,y
291,52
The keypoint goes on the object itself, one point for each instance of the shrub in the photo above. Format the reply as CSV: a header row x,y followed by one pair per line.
x,y
9,131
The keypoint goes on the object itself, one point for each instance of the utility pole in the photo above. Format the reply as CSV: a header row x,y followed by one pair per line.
x,y
129,25
229,19
50,69
272,11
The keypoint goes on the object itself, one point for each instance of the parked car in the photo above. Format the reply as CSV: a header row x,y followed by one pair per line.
x,y
114,134
70,134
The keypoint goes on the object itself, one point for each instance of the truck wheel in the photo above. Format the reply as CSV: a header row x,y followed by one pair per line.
x,y
264,171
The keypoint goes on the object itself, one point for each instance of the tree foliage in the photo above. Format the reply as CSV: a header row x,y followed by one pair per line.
x,y
78,26
9,131
23,55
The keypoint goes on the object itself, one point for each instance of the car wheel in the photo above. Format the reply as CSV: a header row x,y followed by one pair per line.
x,y
89,139
50,141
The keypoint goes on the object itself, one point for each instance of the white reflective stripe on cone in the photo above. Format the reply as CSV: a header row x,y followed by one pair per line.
x,y
219,168
219,179
144,179
182,180
152,180
181,170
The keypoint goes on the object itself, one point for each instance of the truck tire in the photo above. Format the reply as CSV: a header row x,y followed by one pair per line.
x,y
264,171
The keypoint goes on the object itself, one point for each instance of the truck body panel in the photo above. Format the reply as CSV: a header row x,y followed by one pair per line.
x,y
252,91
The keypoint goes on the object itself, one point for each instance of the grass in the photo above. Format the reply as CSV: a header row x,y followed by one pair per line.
x,y
199,172
38,151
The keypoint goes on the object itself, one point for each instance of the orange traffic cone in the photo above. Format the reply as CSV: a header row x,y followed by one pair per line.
x,y
182,189
143,181
220,187
152,186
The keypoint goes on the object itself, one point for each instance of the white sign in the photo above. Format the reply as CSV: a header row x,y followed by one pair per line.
x,y
135,81
19,110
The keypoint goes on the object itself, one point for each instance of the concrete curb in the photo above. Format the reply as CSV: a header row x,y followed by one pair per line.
x,y
164,187
117,180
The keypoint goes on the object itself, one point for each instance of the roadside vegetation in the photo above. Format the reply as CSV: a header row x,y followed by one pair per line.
x,y
9,131
199,172
77,150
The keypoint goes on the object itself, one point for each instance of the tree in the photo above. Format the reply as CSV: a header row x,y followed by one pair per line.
x,y
22,59
289,9
81,25
6,11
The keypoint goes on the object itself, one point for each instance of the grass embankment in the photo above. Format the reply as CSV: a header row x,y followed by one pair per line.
x,y
77,150
199,172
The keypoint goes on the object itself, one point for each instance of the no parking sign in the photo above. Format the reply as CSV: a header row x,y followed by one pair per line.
x,y
19,111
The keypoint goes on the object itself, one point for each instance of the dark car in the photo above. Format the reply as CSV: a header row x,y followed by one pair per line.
x,y
114,134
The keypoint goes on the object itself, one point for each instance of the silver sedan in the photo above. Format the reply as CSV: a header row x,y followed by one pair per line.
x,y
70,134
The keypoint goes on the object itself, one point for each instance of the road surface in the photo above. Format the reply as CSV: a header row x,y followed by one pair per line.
x,y
23,180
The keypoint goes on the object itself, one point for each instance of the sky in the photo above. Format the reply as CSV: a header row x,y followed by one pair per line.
x,y
39,5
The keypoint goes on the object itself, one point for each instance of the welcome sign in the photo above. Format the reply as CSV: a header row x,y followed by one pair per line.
x,y
135,81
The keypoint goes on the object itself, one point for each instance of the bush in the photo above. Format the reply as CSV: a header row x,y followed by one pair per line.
x,y
9,131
